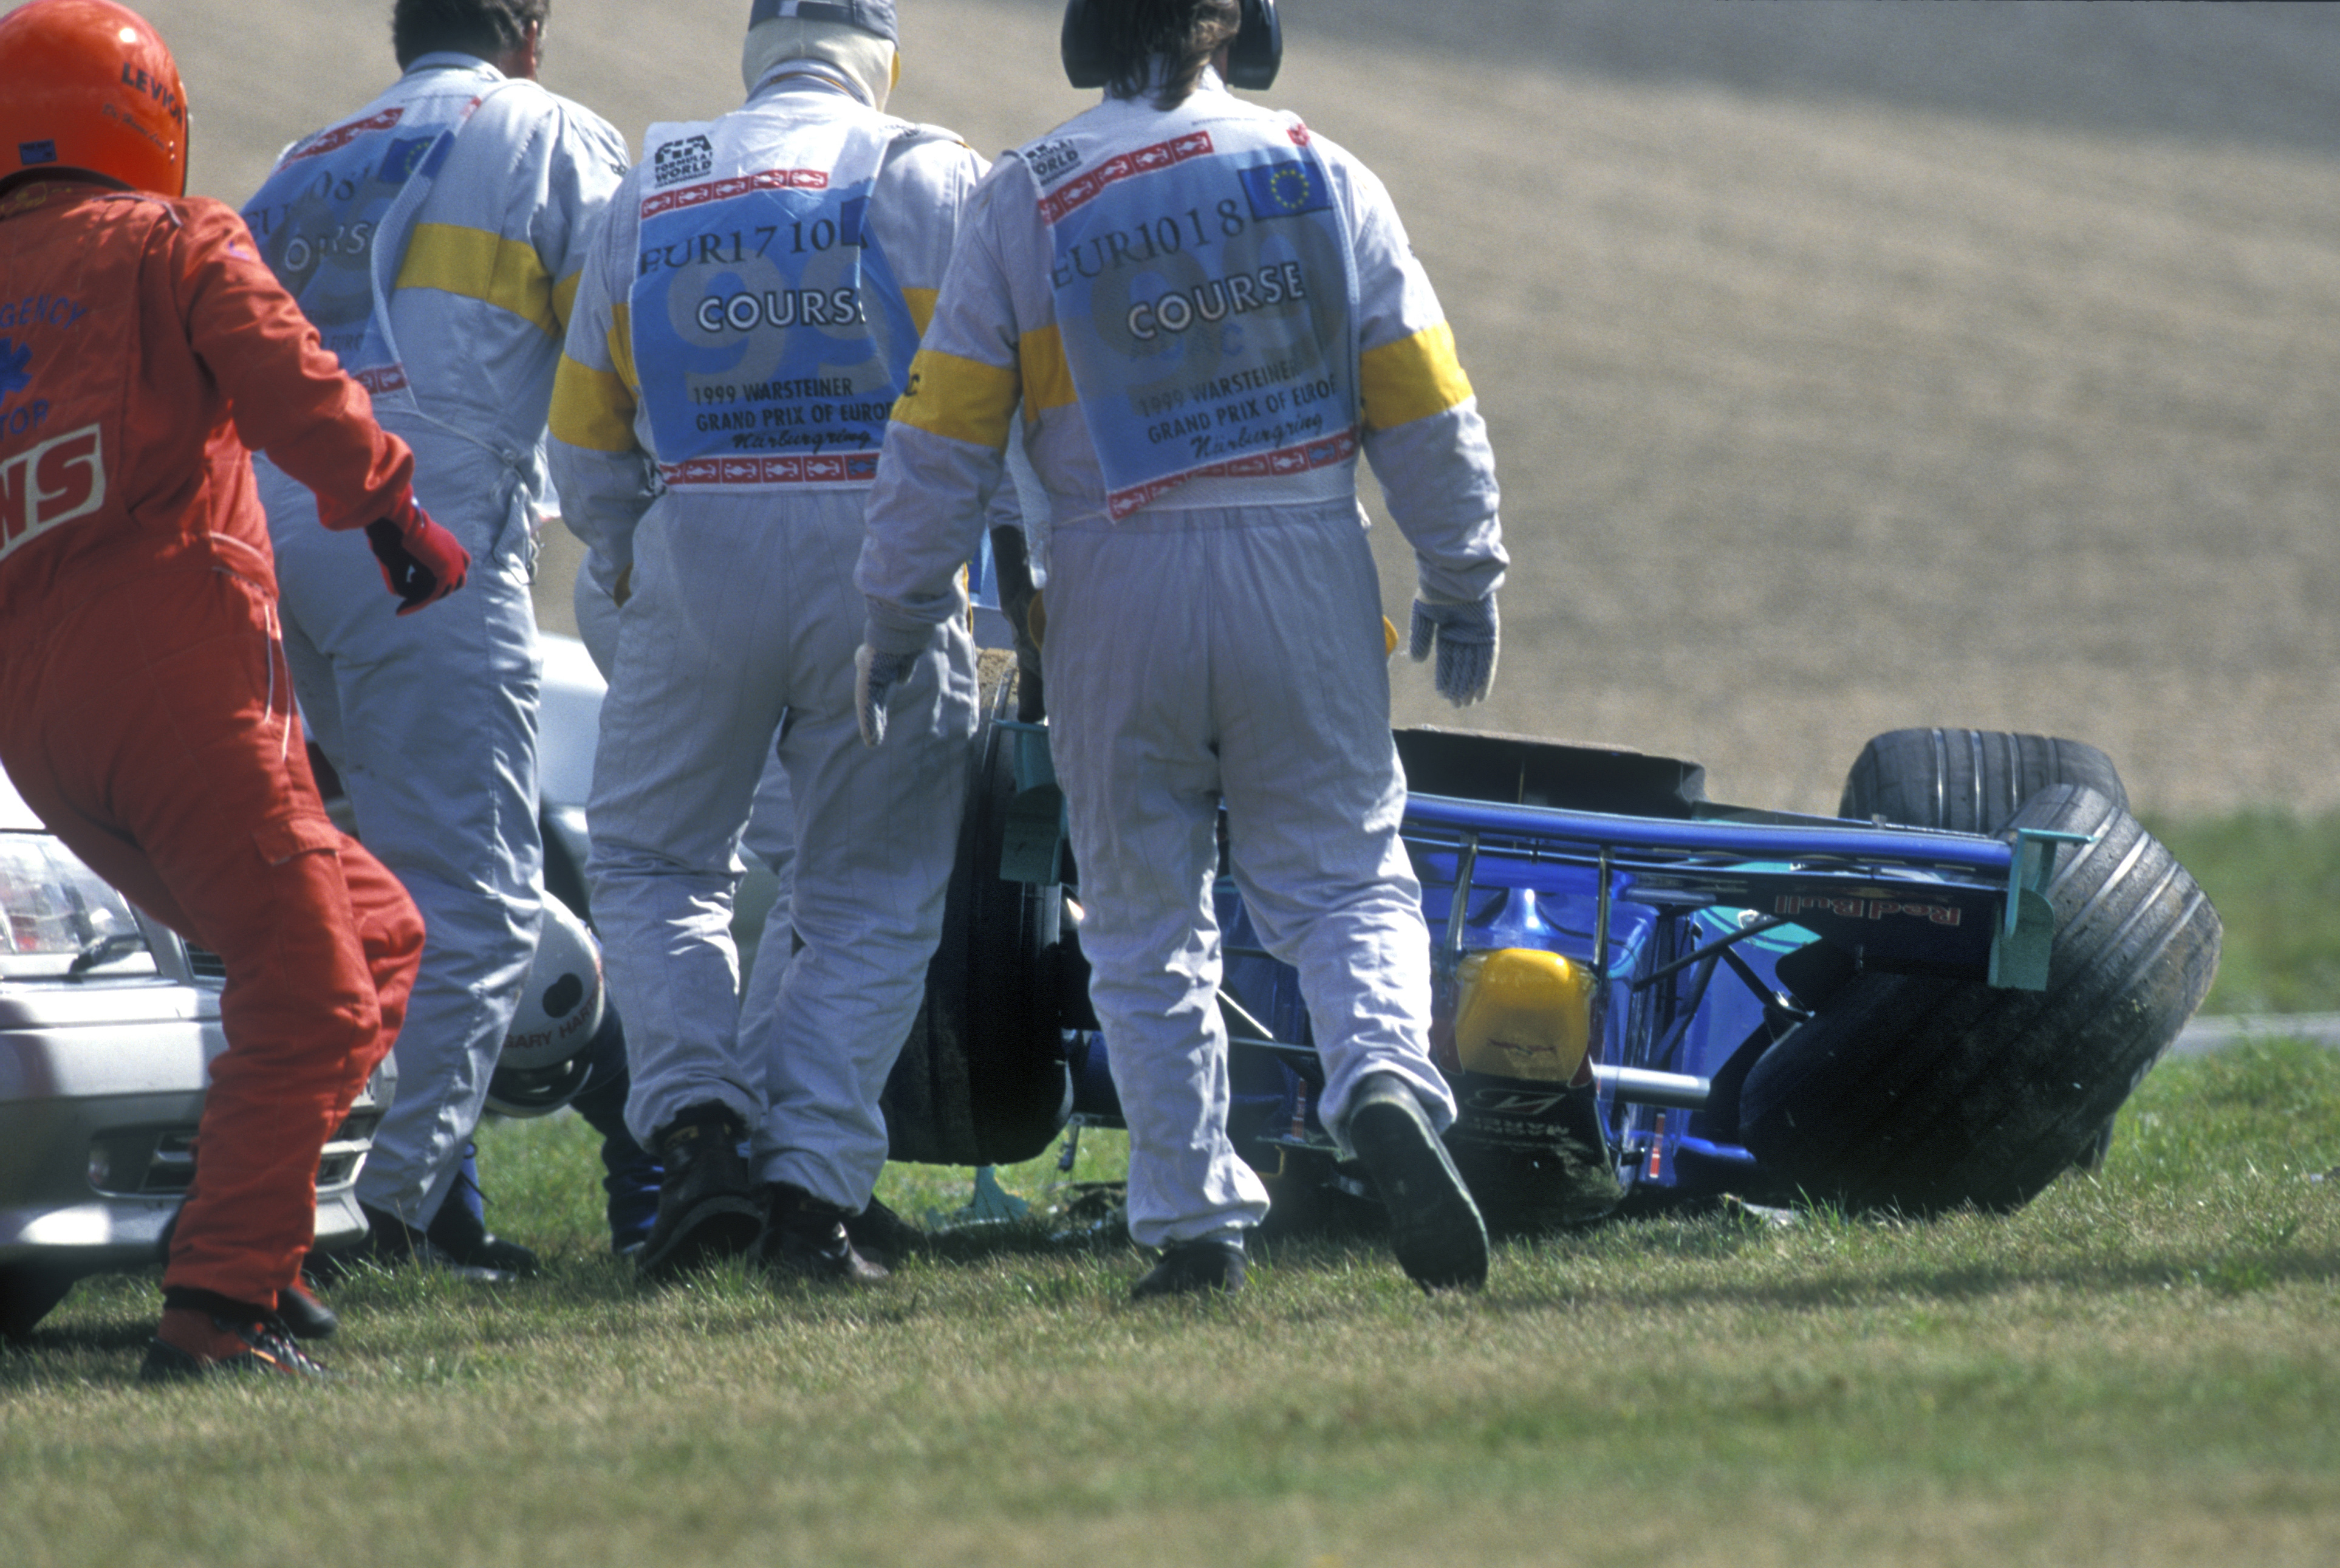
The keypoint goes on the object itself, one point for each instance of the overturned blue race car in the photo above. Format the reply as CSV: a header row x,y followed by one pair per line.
x,y
1937,999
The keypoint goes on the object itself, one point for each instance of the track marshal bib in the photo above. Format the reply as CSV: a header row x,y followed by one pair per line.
x,y
1203,288
768,332
324,218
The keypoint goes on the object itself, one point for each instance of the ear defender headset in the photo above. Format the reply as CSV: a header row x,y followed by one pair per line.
x,y
1252,61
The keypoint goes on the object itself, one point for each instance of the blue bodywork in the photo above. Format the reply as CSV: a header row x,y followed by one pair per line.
x,y
1684,915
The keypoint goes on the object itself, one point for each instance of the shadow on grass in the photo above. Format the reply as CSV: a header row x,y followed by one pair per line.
x,y
109,1338
78,1355
989,1240
2225,1272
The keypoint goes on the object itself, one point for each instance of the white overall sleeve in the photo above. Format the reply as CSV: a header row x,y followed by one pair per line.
x,y
1422,433
944,455
598,442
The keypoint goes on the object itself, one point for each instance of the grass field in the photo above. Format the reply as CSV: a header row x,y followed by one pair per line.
x,y
2274,877
2142,1367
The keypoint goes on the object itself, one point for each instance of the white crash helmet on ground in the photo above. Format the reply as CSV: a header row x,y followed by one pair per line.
x,y
546,1060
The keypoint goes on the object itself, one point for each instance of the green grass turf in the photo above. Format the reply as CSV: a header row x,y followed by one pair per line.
x,y
2276,880
2141,1366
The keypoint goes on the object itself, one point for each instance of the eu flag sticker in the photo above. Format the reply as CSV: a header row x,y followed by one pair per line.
x,y
1286,190
398,165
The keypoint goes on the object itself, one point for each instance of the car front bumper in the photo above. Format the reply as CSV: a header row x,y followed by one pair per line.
x,y
101,1089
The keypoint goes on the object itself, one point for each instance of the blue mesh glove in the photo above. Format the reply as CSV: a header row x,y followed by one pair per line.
x,y
875,676
1464,634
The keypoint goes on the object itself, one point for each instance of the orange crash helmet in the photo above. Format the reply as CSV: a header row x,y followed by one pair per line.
x,y
90,85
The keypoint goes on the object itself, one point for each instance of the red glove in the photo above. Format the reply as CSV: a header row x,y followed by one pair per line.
x,y
422,562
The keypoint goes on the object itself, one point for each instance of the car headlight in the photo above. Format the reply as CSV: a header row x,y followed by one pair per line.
x,y
58,919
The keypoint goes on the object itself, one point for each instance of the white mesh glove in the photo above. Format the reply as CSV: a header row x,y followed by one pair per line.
x,y
1464,633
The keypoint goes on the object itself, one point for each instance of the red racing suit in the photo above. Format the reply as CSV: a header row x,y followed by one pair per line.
x,y
145,710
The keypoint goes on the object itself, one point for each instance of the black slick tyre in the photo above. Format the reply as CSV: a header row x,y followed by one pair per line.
x,y
1966,780
1923,1094
984,1078
1973,781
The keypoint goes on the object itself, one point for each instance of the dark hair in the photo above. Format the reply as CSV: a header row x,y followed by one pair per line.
x,y
1133,34
483,28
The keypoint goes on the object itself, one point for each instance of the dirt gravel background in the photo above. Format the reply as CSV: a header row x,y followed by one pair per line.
x,y
1850,366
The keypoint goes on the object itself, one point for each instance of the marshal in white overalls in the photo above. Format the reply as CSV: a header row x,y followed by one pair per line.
x,y
741,332
433,238
1207,312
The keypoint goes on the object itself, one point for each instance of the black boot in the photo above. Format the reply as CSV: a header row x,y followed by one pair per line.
x,y
709,1205
1192,1268
883,1237
631,1173
805,1237
460,1237
304,1315
1435,1228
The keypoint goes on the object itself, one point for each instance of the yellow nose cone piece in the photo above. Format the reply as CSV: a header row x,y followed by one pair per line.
x,y
1523,1014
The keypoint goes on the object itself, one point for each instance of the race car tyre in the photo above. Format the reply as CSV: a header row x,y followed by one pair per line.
x,y
1973,781
983,1077
1923,1094
28,1293
1966,780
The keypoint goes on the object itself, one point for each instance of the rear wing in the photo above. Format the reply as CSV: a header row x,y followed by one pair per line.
x,y
1911,898
1908,899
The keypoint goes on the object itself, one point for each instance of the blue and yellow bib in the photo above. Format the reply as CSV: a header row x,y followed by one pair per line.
x,y
325,216
1204,288
768,332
